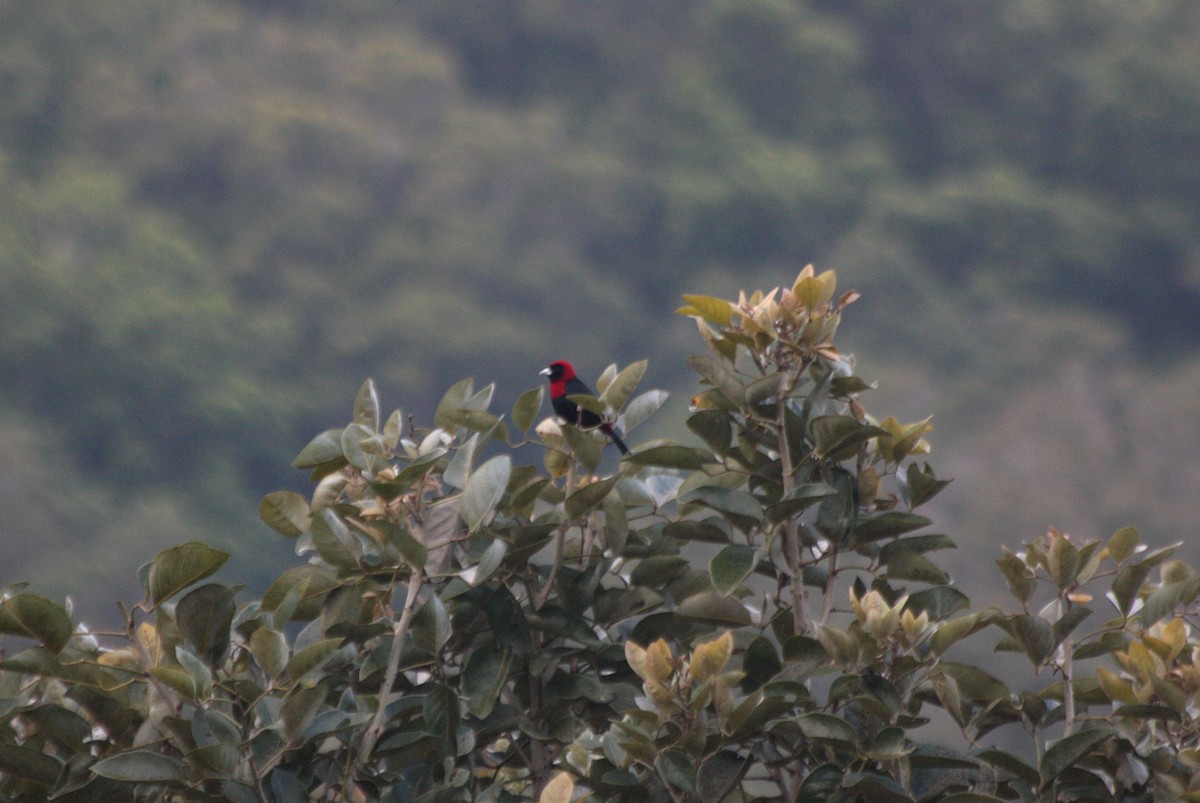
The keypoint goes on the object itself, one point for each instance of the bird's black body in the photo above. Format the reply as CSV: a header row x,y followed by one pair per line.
x,y
563,384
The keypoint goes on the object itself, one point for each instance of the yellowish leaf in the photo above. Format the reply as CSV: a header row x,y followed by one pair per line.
x,y
713,310
635,656
1116,688
709,659
1173,634
814,291
559,790
660,664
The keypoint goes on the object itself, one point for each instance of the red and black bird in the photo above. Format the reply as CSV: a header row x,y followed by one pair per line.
x,y
564,383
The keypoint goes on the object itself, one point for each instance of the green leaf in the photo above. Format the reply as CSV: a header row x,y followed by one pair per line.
x,y
489,562
921,484
589,497
299,708
677,769
904,564
730,567
200,671
658,570
1062,562
742,508
204,616
586,446
642,407
843,387
311,657
285,512
140,766
950,632
946,689
1012,765
485,488
837,437
720,378
938,602
525,411
623,385
714,310
1068,622
616,524
763,390
441,717
431,626
827,728
1144,712
361,447
480,421
671,456
760,663
718,775
270,650
1122,543
714,428
889,525
30,765
454,398
1128,584
411,550
332,539
366,406
712,608
325,448
1020,580
1034,634
58,725
508,624
876,788
38,618
691,530
889,744
178,679
174,569
1066,752
393,430
1167,598
822,783
798,500
312,582
918,543
975,684
484,675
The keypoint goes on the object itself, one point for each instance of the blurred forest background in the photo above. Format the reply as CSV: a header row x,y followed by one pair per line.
x,y
218,217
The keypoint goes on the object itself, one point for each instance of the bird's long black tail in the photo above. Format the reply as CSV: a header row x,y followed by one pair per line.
x,y
608,430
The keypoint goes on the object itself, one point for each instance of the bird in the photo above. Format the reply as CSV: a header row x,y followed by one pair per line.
x,y
564,383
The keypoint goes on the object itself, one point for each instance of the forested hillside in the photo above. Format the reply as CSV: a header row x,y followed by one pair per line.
x,y
217,218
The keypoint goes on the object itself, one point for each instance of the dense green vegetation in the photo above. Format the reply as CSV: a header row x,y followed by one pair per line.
x,y
487,616
217,216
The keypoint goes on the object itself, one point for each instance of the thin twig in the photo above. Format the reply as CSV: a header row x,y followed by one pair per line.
x,y
387,691
791,536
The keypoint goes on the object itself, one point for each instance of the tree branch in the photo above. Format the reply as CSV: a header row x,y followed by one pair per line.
x,y
387,691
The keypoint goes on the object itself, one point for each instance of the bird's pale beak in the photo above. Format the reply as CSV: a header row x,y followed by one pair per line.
x,y
544,372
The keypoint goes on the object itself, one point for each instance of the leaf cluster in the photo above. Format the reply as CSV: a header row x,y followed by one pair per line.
x,y
757,617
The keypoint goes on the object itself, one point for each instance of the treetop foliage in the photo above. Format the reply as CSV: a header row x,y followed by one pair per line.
x,y
760,616
216,215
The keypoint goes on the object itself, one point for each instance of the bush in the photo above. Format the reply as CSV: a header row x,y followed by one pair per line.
x,y
755,618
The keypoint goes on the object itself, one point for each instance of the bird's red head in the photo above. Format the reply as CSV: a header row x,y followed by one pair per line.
x,y
560,370
560,373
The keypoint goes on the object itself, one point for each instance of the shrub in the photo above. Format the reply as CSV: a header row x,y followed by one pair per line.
x,y
486,615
